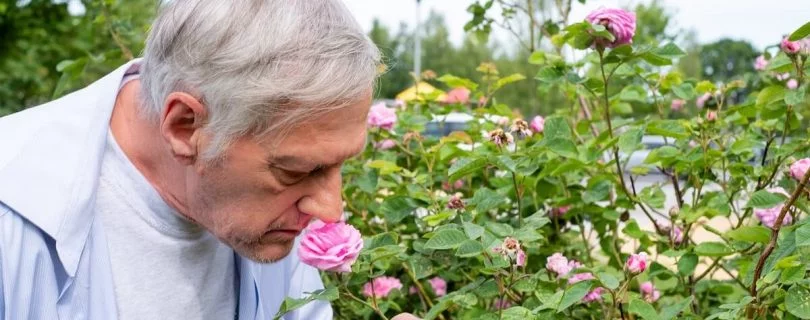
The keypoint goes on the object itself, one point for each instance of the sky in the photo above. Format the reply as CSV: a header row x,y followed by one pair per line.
x,y
760,22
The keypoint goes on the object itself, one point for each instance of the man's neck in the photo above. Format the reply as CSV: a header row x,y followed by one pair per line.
x,y
140,140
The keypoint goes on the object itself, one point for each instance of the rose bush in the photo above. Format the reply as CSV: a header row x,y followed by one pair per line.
x,y
544,217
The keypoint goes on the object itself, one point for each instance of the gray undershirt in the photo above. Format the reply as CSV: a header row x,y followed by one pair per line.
x,y
163,265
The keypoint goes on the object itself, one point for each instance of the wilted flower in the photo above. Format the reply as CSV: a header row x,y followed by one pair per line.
x,y
558,264
580,277
455,202
439,286
792,84
790,47
380,116
677,104
620,23
761,63
500,138
636,263
560,211
593,295
648,292
799,168
330,246
458,95
520,128
413,135
382,287
538,124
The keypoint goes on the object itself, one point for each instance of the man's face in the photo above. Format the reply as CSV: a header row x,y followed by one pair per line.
x,y
260,197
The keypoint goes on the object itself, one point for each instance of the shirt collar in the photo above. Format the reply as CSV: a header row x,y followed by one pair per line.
x,y
51,177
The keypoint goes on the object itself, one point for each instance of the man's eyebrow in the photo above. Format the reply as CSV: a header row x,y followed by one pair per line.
x,y
291,162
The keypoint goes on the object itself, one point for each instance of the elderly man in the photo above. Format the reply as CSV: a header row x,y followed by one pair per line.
x,y
175,187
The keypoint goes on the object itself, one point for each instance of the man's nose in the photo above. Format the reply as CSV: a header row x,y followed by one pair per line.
x,y
323,199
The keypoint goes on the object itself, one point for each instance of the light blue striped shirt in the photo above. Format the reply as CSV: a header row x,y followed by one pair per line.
x,y
54,262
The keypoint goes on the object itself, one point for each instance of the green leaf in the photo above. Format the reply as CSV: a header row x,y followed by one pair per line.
x,y
485,199
792,275
562,147
290,304
446,239
397,208
764,199
803,235
608,280
597,192
713,249
643,309
550,74
385,167
470,248
504,162
557,127
770,95
794,97
501,229
574,294
507,80
684,91
455,82
465,166
667,128
653,196
672,311
797,301
631,139
750,234
382,239
516,313
473,230
633,230
687,264
800,33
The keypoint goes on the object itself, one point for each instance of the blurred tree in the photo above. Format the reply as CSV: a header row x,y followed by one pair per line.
x,y
726,58
46,52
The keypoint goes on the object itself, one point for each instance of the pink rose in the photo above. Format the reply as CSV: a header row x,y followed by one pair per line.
x,y
593,295
768,216
711,115
790,47
439,286
798,168
385,144
792,84
382,287
559,212
380,116
677,104
537,124
701,101
648,292
458,95
330,246
580,277
520,260
636,263
558,264
455,202
761,63
620,23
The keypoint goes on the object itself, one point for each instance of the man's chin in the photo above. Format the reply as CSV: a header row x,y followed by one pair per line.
x,y
265,253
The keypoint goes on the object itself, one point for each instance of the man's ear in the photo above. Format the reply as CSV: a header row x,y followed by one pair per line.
x,y
181,126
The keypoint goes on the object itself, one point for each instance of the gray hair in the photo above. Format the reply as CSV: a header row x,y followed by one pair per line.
x,y
259,66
